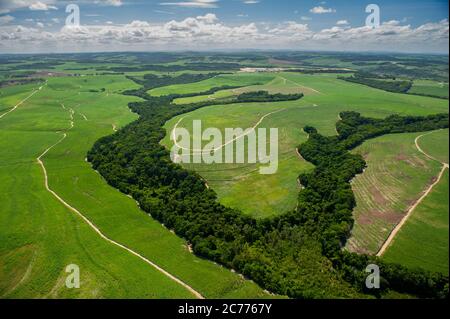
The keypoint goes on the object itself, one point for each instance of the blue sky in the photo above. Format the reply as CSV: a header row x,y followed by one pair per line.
x,y
259,20
416,12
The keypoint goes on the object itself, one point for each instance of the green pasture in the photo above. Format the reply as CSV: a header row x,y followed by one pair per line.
x,y
237,79
395,177
39,236
423,240
240,185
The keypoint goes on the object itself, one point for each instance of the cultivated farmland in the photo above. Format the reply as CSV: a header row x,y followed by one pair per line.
x,y
423,240
40,236
319,108
80,127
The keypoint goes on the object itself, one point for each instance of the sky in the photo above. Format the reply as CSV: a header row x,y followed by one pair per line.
x,y
37,26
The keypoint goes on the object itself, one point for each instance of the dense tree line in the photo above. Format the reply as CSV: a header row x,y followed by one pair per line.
x,y
395,86
385,82
204,67
324,70
20,81
151,81
264,96
259,96
297,254
326,201
354,129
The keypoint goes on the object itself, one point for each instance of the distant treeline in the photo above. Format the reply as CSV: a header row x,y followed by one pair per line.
x,y
395,86
4,83
151,81
256,96
296,254
177,68
386,83
315,71
354,130
264,96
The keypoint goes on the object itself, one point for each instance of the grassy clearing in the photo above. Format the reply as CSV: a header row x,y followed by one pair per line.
x,y
241,186
39,236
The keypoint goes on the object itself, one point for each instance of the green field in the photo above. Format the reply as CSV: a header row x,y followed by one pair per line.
x,y
237,79
39,236
396,175
423,240
436,145
429,87
12,95
241,186
278,85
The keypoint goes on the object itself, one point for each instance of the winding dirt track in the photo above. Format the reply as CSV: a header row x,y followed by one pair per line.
x,y
197,151
21,102
413,207
92,225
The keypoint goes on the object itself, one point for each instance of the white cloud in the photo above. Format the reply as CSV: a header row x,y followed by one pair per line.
x,y
39,24
342,22
6,19
305,18
208,18
138,24
114,3
41,6
321,10
208,32
193,4
13,5
251,1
